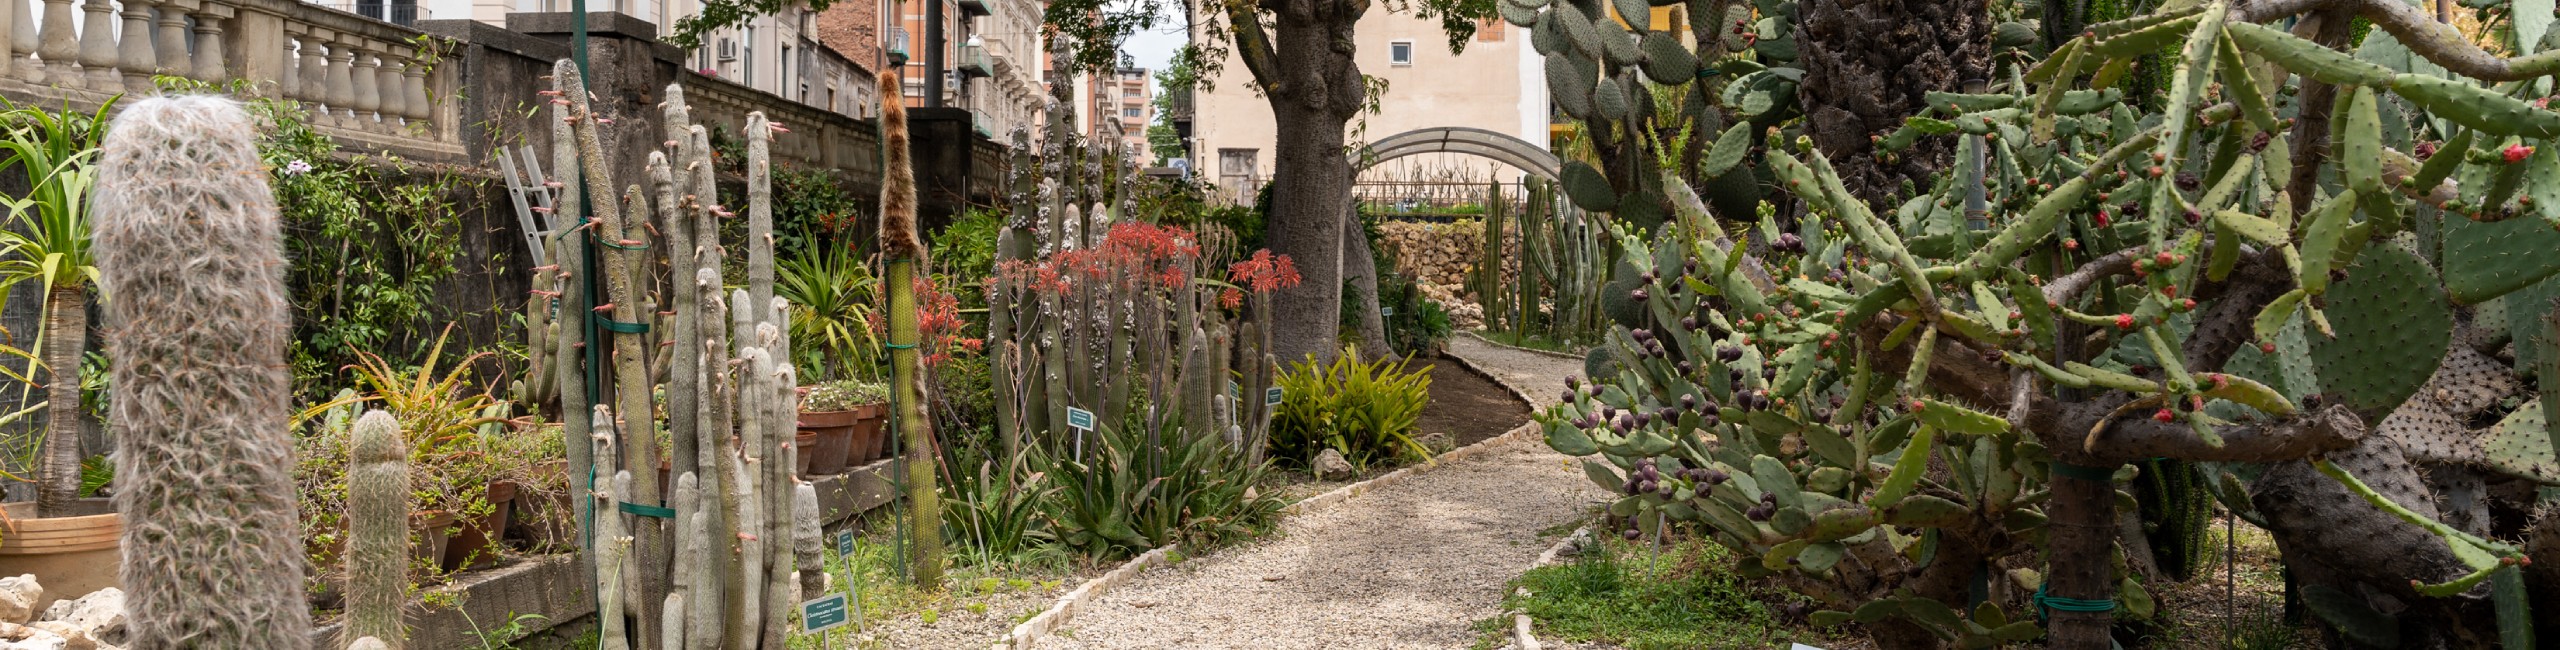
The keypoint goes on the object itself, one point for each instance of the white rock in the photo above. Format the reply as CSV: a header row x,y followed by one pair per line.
x,y
1330,466
100,614
18,605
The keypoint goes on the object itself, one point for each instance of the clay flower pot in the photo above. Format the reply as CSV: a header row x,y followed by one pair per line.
x,y
68,555
873,424
803,441
475,544
833,446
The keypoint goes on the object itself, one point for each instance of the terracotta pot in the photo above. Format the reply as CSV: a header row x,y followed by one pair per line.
x,y
475,544
834,443
803,442
430,535
874,425
532,522
71,555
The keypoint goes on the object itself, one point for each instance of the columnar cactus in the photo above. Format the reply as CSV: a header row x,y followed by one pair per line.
x,y
377,554
903,247
187,225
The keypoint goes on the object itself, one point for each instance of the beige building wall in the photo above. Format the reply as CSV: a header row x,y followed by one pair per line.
x,y
1497,84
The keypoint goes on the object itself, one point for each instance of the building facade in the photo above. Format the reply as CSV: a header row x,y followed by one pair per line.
x,y
1117,107
779,53
1497,84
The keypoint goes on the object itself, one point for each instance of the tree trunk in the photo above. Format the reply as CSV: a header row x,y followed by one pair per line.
x,y
2082,530
1314,88
66,330
1869,64
1360,271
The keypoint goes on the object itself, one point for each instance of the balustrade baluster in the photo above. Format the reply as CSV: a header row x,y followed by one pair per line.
x,y
210,66
314,71
98,46
386,82
169,39
289,77
59,45
135,50
342,89
367,86
413,84
22,42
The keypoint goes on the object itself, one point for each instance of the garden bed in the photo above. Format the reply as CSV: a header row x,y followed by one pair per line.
x,y
1465,404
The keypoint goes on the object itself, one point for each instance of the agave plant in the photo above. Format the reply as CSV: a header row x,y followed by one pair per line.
x,y
49,244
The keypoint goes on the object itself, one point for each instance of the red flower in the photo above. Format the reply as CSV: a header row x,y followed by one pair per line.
x,y
2516,153
1264,272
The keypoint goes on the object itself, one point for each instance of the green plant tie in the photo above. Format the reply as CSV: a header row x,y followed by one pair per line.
x,y
899,346
2046,603
619,327
645,510
2084,472
1708,72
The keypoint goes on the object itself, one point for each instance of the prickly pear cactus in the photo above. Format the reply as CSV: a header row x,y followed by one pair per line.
x,y
186,225
2285,274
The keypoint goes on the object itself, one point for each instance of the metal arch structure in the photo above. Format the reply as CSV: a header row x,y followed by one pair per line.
x,y
1494,145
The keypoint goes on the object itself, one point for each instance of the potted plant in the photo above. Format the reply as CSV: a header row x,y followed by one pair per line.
x,y
834,411
451,429
68,542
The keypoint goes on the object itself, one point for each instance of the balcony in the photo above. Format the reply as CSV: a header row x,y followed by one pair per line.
x,y
974,8
973,62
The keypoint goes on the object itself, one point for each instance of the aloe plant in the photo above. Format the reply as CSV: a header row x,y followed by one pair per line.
x,y
2106,286
49,245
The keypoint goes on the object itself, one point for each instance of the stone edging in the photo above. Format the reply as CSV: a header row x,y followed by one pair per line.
x,y
1515,391
1030,632
1521,636
1548,353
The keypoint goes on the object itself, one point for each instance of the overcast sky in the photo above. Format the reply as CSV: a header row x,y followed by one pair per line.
x,y
1154,48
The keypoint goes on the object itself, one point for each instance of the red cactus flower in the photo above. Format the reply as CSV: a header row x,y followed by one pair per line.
x,y
2124,321
2164,415
2516,153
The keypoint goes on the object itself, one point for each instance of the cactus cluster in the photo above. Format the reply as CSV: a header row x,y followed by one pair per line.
x,y
1869,398
1094,305
186,225
1563,258
721,571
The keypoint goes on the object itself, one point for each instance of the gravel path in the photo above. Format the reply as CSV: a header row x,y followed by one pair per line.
x,y
1412,565
1541,376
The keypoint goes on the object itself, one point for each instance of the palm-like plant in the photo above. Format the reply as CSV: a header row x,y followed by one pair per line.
x,y
831,294
49,243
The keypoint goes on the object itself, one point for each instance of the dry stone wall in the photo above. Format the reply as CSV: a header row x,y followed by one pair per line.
x,y
1442,257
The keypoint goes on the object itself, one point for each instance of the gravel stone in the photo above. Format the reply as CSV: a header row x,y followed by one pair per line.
x,y
1411,565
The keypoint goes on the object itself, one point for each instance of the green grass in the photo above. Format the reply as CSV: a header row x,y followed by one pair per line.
x,y
873,570
1622,594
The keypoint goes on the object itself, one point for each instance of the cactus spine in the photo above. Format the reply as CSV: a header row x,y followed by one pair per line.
x,y
378,531
185,224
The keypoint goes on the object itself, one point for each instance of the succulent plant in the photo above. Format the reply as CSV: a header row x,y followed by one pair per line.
x,y
187,225
378,532
2107,286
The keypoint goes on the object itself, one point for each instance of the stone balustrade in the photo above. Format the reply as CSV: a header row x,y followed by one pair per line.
x,y
366,80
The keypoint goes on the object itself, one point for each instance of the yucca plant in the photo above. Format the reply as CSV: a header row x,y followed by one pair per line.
x,y
49,244
831,294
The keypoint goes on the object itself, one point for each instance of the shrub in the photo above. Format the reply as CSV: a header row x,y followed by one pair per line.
x,y
1365,409
991,508
1119,499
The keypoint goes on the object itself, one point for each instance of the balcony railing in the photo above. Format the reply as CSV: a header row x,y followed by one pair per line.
x,y
356,75
973,61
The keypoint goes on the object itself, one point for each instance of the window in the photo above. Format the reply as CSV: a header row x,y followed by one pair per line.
x,y
1236,173
1400,52
747,59
1133,112
1489,30
1129,91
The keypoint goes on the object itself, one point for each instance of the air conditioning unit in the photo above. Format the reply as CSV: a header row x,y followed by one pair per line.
x,y
728,49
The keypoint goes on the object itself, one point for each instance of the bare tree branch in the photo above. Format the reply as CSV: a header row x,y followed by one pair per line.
x,y
2306,434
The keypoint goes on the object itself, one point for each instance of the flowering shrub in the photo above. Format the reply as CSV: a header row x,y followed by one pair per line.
x,y
938,324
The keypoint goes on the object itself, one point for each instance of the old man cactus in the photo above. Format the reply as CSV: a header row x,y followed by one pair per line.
x,y
2311,272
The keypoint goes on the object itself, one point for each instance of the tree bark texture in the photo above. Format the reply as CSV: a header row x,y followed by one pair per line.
x,y
1360,276
66,330
1869,64
1305,68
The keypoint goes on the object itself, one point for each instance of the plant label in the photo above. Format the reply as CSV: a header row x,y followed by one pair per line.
x,y
1079,418
823,614
1387,312
844,543
1271,397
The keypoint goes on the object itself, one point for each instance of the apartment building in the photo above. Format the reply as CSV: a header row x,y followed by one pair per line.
x,y
1118,105
779,53
1497,84
993,64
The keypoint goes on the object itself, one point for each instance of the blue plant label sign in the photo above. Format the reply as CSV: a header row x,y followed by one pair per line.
x,y
844,543
823,614
1271,396
1079,418
1235,393
1388,312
